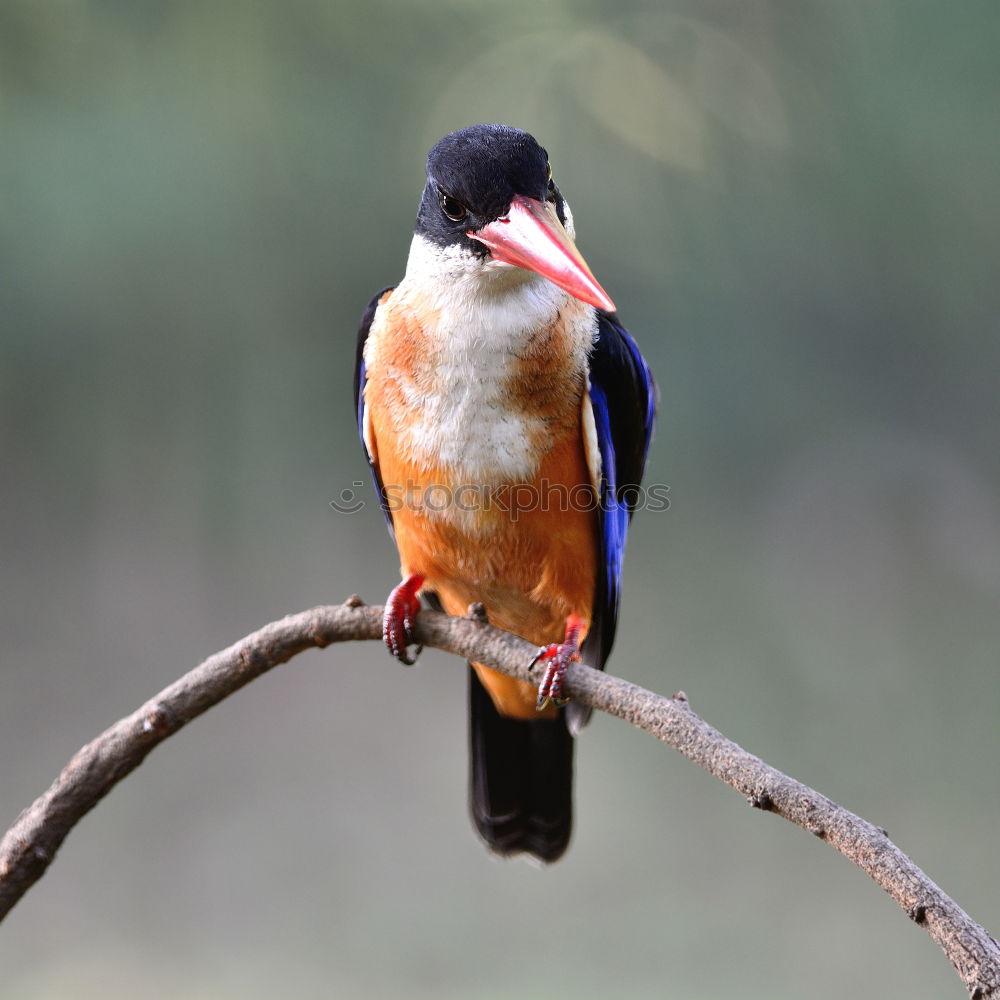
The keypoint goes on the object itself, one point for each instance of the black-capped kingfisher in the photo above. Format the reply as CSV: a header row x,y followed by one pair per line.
x,y
506,415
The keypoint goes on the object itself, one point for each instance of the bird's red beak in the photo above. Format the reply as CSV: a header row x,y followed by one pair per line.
x,y
531,236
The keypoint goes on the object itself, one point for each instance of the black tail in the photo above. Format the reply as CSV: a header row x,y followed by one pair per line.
x,y
521,779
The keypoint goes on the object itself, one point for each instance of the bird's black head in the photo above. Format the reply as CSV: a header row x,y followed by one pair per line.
x,y
473,174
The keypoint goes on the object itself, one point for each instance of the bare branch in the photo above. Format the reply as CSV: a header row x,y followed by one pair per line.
x,y
30,845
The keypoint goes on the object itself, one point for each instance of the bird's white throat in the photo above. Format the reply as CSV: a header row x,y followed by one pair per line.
x,y
488,317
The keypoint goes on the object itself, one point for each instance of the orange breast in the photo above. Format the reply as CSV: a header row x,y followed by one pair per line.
x,y
526,548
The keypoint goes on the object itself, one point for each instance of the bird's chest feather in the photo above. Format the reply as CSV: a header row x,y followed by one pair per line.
x,y
478,390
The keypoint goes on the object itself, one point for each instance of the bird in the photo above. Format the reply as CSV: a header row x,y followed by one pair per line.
x,y
506,415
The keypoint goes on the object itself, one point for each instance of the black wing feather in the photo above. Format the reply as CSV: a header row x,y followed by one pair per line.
x,y
359,401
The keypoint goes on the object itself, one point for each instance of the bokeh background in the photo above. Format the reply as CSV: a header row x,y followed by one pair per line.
x,y
796,208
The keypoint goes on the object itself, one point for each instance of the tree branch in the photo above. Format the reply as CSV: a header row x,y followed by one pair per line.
x,y
31,843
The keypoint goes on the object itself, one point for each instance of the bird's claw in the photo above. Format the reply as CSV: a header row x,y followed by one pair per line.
x,y
397,622
559,656
550,690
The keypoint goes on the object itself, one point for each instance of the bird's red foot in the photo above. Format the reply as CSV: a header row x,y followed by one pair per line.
x,y
397,622
559,657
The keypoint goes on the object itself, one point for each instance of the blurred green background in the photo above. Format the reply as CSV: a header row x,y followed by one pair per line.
x,y
795,207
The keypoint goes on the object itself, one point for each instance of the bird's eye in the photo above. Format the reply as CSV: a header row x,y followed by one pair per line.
x,y
454,209
548,172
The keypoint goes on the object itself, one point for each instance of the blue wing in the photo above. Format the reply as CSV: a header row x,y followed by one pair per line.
x,y
359,402
623,398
